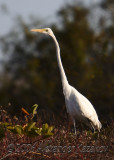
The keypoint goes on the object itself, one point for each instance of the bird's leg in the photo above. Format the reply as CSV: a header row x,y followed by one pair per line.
x,y
69,124
74,126
92,127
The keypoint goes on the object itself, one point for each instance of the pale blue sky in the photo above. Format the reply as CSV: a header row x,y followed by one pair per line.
x,y
40,8
25,8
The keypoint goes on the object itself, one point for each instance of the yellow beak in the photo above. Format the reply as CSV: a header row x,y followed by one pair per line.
x,y
37,30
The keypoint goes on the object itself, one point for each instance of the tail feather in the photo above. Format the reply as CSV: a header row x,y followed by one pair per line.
x,y
97,125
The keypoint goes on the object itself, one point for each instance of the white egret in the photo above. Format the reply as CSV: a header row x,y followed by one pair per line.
x,y
78,106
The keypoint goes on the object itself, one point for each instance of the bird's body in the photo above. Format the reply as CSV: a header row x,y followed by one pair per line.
x,y
81,109
78,106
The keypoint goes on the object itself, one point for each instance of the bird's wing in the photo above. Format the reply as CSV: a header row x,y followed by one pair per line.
x,y
83,105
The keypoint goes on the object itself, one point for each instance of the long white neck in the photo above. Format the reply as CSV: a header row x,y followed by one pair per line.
x,y
62,72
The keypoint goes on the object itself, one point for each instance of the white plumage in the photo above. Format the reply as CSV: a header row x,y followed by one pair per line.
x,y
78,106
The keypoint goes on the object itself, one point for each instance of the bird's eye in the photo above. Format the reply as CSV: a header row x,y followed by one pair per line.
x,y
46,30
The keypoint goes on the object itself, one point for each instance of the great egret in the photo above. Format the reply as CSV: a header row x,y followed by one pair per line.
x,y
78,106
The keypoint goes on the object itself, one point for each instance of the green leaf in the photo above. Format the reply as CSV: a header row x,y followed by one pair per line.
x,y
39,131
50,129
47,135
47,131
34,132
29,126
12,129
33,109
18,129
44,128
5,124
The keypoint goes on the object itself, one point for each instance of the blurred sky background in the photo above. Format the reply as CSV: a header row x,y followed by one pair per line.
x,y
46,11
41,9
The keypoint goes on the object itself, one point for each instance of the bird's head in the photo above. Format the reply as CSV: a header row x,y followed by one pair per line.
x,y
44,30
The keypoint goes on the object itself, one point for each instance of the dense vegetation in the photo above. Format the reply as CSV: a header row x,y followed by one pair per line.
x,y
24,137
